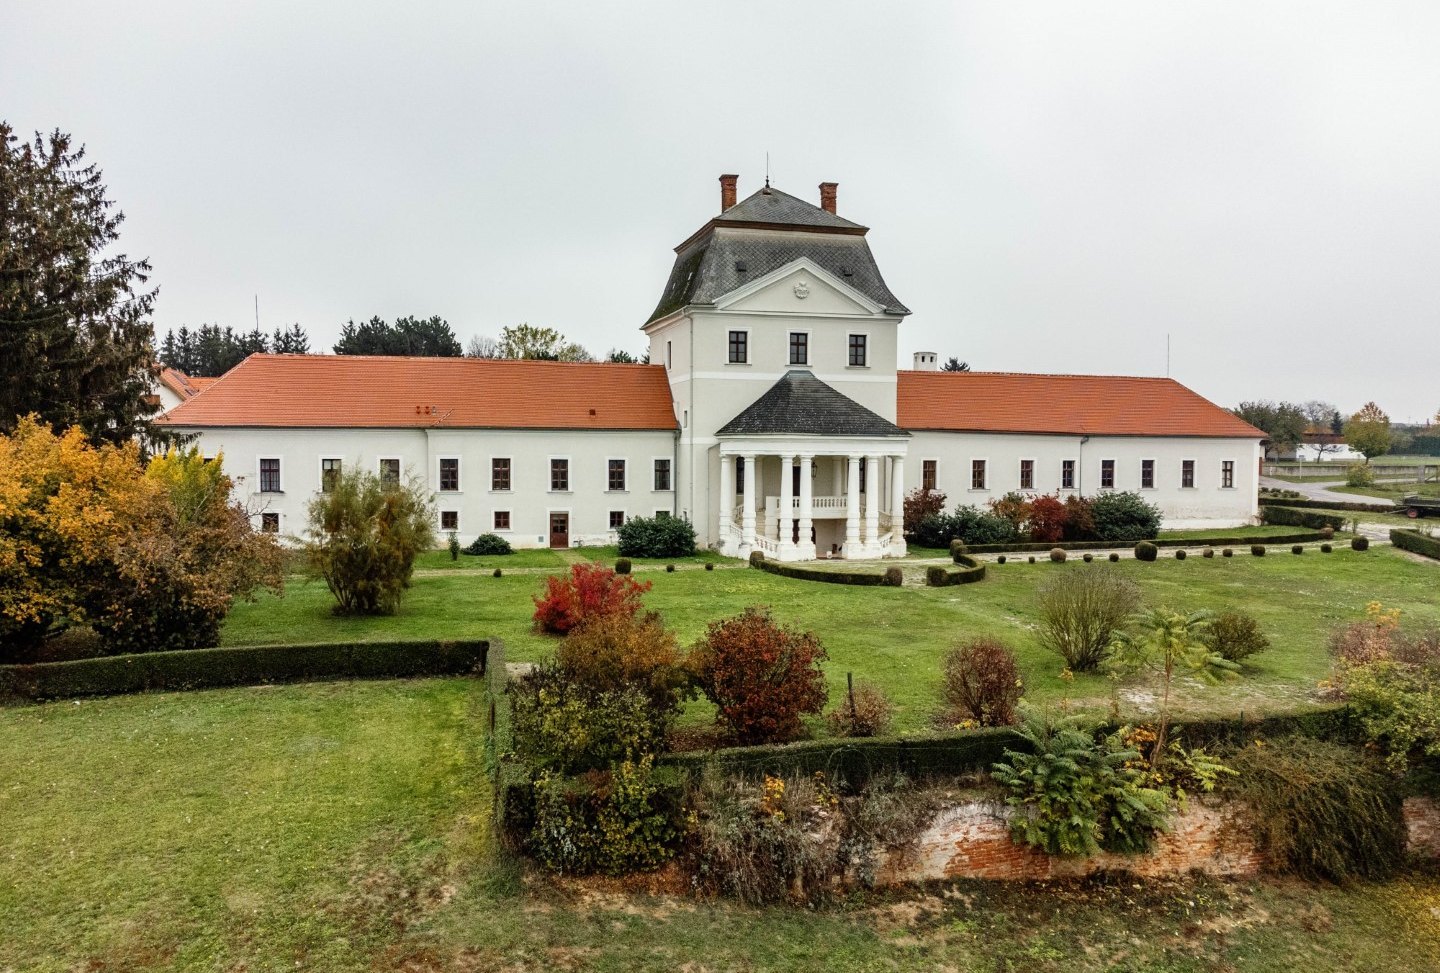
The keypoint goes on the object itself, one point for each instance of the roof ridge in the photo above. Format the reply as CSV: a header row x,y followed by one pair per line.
x,y
321,356
1144,378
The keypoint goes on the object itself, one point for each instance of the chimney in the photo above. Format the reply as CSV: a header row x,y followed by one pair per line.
x,y
727,191
827,196
927,361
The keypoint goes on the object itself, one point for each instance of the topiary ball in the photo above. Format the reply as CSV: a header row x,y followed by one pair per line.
x,y
1088,558
496,574
1257,549
894,578
1180,555
1297,549
1146,551
669,569
1326,533
1208,552
1057,554
1360,544
757,558
1000,559
622,566
1114,558
709,565
1032,558
1326,548
1227,553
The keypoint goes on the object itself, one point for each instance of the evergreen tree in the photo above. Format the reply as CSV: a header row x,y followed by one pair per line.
x,y
412,336
76,342
955,365
290,341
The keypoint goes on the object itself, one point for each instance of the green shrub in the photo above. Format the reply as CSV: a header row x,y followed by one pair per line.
x,y
1392,684
1359,475
453,546
864,711
657,537
563,726
613,822
1031,559
1146,551
709,565
1297,549
1327,533
1209,552
982,682
669,569
1114,558
1000,559
1257,549
1124,517
489,544
1057,555
1319,810
1180,555
363,537
1326,548
1076,794
757,559
1236,636
968,524
1416,542
957,548
894,577
1227,553
1291,517
1080,612
1360,544
1087,557
496,573
622,566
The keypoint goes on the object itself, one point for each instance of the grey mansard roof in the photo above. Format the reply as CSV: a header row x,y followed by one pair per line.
x,y
708,265
802,405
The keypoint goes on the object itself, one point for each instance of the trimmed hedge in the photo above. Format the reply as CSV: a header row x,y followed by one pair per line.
x,y
830,577
240,666
970,571
1415,542
1291,517
1360,544
855,760
1372,508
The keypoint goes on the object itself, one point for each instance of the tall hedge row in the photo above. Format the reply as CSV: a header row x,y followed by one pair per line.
x,y
1415,542
1292,517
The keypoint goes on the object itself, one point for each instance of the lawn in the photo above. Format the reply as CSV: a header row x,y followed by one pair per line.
x,y
342,827
530,558
897,637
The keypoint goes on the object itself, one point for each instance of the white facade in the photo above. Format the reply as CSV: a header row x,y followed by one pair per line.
x,y
526,507
1100,464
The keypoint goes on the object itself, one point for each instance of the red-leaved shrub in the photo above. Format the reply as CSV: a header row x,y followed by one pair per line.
x,y
1079,518
588,591
762,676
919,504
982,682
1048,517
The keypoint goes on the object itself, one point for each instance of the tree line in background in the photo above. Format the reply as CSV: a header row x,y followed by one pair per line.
x,y
1368,431
213,350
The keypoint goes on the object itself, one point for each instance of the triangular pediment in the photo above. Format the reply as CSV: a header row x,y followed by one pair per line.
x,y
800,287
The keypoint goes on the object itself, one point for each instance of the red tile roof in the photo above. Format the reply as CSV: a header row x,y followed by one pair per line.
x,y
181,384
364,391
1077,405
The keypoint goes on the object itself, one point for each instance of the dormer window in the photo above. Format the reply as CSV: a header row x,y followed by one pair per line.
x,y
799,348
739,347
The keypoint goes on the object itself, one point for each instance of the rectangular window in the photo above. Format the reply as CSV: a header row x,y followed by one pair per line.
x,y
559,474
449,520
977,474
662,474
1027,474
390,472
270,476
1227,474
662,515
1187,473
617,519
449,473
863,464
1067,474
1147,474
329,474
799,348
1107,474
502,520
616,474
857,351
928,474
270,523
739,347
669,355
500,474
740,476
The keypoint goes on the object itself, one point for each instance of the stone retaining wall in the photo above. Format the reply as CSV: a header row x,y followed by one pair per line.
x,y
972,840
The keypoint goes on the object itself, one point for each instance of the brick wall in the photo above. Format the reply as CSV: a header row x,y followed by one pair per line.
x,y
972,840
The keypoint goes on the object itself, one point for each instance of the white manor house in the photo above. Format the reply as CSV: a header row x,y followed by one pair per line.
x,y
772,416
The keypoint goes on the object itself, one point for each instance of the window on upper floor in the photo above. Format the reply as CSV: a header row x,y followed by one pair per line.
x,y
500,473
1027,474
615,472
739,347
559,474
799,348
329,474
270,475
928,473
449,473
1067,474
977,474
1187,473
858,351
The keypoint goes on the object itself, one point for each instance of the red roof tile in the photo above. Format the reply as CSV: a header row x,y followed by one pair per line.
x,y
1094,405
366,392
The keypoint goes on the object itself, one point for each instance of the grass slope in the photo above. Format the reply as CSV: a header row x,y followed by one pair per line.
x,y
341,827
897,637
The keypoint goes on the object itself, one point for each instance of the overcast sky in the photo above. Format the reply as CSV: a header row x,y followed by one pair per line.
x,y
1050,187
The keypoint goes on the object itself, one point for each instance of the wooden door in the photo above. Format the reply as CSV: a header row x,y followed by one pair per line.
x,y
559,530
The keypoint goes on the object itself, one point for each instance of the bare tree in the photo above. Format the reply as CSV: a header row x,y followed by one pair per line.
x,y
482,346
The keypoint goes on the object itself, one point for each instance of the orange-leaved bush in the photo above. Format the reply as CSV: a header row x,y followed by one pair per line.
x,y
1048,517
982,682
613,652
762,676
588,591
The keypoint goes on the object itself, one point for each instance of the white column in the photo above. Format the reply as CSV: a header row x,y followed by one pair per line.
x,y
726,520
787,505
874,490
897,505
807,513
747,510
852,506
